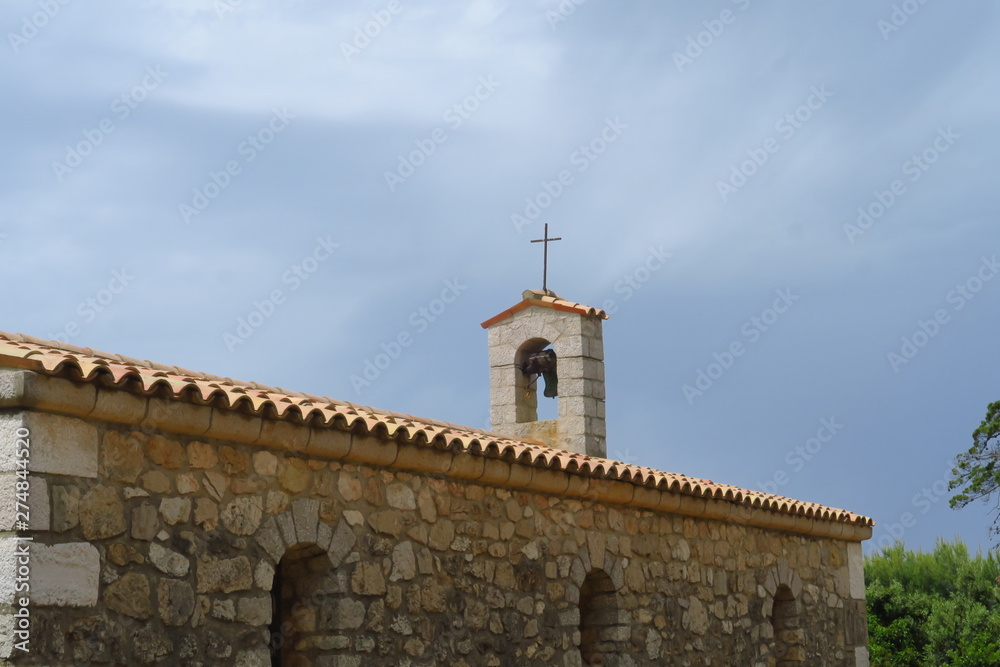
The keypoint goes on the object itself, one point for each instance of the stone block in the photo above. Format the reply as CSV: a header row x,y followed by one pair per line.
x,y
342,543
176,601
36,495
58,445
324,535
201,455
270,538
7,638
65,508
257,657
233,461
571,368
117,406
254,610
164,452
341,613
168,561
176,417
175,510
231,425
294,476
856,568
242,516
404,564
121,456
226,575
265,463
285,435
43,392
215,484
368,580
145,522
400,496
130,595
305,513
102,513
593,347
568,346
286,524
62,575
263,575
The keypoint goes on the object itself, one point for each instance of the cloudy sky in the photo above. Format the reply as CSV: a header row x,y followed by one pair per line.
x,y
276,191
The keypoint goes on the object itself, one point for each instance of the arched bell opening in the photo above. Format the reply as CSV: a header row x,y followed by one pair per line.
x,y
536,364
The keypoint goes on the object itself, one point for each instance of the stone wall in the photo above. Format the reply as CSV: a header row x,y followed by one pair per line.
x,y
152,548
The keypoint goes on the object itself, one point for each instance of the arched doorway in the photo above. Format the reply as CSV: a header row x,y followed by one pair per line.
x,y
786,622
603,631
292,588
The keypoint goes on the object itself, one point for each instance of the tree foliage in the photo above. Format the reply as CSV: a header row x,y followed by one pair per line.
x,y
977,471
939,609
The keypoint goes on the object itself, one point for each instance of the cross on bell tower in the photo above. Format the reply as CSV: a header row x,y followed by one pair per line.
x,y
545,261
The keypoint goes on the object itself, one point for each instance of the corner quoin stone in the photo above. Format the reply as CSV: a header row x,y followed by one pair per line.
x,y
58,445
64,575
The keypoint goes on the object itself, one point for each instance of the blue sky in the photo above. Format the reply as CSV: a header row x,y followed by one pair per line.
x,y
282,191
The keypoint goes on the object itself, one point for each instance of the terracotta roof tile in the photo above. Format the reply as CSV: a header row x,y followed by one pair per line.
x,y
80,363
545,300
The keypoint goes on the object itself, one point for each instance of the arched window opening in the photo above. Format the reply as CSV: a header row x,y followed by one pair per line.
x,y
536,371
603,630
787,624
294,581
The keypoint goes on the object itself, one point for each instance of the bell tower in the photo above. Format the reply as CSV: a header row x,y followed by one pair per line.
x,y
547,340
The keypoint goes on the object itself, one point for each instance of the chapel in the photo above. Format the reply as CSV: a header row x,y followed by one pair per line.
x,y
155,515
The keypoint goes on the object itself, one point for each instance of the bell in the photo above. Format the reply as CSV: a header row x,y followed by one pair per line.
x,y
543,363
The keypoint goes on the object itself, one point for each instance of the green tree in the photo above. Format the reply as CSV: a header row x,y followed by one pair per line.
x,y
939,609
977,473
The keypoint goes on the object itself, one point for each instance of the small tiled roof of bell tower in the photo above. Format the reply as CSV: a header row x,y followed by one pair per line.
x,y
547,299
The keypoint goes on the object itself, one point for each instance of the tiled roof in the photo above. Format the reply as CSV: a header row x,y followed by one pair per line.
x,y
545,300
147,377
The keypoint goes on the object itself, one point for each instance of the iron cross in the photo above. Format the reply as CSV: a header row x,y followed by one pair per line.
x,y
545,264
